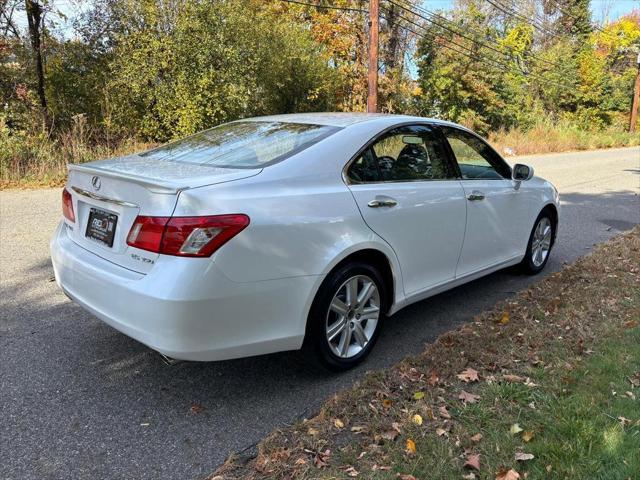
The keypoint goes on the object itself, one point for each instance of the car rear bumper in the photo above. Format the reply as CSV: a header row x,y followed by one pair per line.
x,y
186,308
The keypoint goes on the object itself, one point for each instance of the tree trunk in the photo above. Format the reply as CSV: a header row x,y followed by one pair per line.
x,y
34,19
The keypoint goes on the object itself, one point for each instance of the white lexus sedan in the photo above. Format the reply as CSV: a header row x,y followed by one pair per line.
x,y
293,231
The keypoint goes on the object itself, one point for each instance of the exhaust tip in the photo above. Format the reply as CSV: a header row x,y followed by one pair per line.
x,y
168,360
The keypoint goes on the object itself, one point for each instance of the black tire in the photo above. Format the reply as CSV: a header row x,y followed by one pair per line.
x,y
316,347
528,265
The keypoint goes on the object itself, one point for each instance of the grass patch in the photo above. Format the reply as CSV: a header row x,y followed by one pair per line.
x,y
561,137
558,381
578,422
29,160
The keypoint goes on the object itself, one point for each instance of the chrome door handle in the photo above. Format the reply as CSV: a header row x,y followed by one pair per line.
x,y
382,202
475,195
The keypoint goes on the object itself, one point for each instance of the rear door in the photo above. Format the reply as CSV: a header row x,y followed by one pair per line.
x,y
407,192
496,210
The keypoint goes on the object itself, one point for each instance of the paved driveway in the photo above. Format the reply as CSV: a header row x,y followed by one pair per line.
x,y
80,400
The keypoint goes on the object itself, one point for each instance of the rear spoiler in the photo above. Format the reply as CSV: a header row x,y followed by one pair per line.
x,y
155,186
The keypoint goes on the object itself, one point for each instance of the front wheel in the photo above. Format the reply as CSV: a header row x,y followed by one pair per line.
x,y
346,315
539,245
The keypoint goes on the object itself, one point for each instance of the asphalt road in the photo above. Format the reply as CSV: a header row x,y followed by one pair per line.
x,y
80,400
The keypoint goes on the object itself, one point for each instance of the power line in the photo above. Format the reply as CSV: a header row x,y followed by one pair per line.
x,y
511,11
431,15
430,20
535,17
327,7
494,62
468,53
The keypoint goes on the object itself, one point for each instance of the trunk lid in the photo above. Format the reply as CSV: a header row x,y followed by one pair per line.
x,y
120,189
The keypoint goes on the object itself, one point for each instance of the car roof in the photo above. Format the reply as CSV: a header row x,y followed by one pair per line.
x,y
344,119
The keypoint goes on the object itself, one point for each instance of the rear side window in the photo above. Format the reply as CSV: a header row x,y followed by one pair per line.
x,y
404,154
243,144
475,158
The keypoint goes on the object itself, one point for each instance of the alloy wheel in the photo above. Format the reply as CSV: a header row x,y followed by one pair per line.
x,y
541,243
353,316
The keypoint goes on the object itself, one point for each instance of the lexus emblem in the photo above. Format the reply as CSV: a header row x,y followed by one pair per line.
x,y
95,181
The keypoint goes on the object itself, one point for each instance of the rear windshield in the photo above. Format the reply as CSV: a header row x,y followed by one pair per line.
x,y
243,144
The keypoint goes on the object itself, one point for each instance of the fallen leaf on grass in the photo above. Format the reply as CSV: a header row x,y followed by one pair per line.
x,y
470,476
417,419
386,403
352,472
515,428
388,435
320,459
504,474
624,421
433,378
473,461
338,423
444,413
523,457
440,431
467,397
505,318
418,395
527,436
313,432
411,446
476,438
630,324
358,429
196,408
383,468
468,375
513,378
631,395
406,476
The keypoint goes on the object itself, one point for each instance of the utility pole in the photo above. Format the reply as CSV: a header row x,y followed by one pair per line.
x,y
372,96
636,100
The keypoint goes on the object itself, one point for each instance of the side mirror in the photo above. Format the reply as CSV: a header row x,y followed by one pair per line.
x,y
521,172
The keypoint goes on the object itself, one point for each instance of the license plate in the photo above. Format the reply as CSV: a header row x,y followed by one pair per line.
x,y
101,226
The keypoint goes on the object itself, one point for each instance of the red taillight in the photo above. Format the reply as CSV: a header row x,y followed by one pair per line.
x,y
146,233
185,236
67,206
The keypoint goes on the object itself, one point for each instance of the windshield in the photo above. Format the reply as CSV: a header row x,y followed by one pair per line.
x,y
243,144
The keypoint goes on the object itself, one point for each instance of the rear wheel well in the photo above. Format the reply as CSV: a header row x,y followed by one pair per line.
x,y
553,214
376,259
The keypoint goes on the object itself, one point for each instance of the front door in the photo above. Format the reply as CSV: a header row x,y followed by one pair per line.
x,y
406,189
496,210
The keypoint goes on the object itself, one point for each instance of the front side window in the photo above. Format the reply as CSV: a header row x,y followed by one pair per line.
x,y
400,155
242,144
475,158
